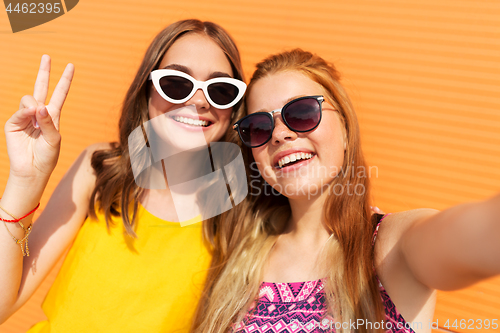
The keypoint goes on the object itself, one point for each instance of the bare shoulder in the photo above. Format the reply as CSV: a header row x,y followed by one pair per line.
x,y
395,224
81,174
90,150
391,232
74,191
99,146
414,300
87,153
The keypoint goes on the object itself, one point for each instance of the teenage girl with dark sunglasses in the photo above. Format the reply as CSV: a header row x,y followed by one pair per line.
x,y
311,257
127,269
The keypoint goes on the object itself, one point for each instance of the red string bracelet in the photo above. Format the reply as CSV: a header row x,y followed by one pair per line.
x,y
19,219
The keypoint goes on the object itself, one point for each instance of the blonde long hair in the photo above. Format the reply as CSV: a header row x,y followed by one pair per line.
x,y
351,286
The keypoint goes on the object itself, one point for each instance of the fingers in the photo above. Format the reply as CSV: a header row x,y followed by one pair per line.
x,y
42,80
49,131
29,102
21,119
34,106
23,114
60,93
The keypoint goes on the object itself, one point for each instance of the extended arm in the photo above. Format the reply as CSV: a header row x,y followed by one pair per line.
x,y
454,248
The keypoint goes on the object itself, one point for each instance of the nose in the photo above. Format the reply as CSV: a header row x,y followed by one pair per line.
x,y
199,100
281,132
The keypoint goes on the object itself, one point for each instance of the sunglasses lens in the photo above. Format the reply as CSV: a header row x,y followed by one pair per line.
x,y
176,87
303,115
222,93
256,129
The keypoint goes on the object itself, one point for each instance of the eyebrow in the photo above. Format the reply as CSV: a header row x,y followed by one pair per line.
x,y
178,68
186,70
285,103
292,98
219,74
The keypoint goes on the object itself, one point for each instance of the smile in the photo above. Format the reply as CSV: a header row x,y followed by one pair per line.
x,y
292,158
190,121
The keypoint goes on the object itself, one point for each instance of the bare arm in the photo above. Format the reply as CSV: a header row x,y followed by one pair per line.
x,y
454,248
52,233
33,143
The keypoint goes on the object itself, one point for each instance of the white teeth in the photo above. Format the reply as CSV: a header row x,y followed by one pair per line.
x,y
293,157
191,121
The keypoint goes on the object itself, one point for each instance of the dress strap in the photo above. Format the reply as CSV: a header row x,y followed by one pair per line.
x,y
379,217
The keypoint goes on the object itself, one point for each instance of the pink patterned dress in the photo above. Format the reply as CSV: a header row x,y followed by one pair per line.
x,y
299,307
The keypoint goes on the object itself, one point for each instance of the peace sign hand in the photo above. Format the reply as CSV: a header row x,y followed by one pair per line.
x,y
32,133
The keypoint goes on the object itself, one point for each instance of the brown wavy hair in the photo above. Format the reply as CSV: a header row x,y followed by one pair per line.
x,y
352,290
115,189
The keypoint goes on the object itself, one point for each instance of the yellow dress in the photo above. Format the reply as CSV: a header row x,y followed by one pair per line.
x,y
113,283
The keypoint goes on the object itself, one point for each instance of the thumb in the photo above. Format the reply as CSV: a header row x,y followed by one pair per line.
x,y
49,131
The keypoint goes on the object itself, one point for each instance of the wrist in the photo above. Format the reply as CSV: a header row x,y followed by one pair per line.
x,y
22,195
27,182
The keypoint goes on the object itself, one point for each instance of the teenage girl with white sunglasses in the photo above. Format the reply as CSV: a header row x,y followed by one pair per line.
x,y
127,269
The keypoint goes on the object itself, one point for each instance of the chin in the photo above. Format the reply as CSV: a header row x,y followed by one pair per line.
x,y
301,188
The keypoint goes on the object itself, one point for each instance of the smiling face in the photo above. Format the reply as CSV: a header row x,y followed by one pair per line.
x,y
321,151
200,57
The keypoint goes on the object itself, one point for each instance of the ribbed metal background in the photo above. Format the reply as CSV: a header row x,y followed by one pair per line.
x,y
424,76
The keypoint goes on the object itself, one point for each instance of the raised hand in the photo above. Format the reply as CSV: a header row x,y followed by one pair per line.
x,y
32,133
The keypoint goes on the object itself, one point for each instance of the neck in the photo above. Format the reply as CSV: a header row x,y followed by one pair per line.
x,y
157,198
301,246
307,217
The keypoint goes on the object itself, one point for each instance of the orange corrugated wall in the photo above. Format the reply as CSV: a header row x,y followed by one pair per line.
x,y
424,76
